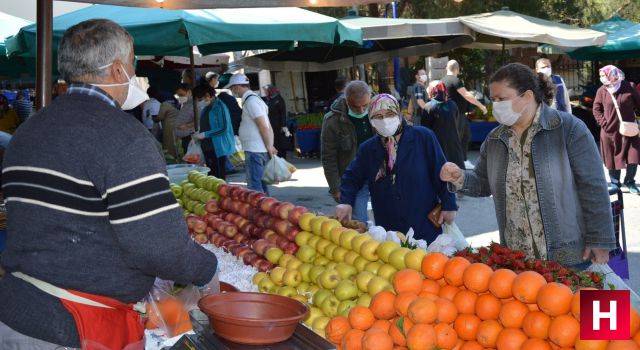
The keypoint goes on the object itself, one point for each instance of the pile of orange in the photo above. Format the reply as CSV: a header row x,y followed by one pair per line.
x,y
456,305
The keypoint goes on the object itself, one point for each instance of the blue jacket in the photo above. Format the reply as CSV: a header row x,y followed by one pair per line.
x,y
417,189
221,133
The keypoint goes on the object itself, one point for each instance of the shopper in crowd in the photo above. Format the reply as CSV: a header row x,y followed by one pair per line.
x,y
617,100
150,110
401,167
211,78
550,199
459,94
344,129
339,84
255,132
185,125
22,106
59,89
107,225
8,116
419,97
561,99
440,115
187,77
167,115
282,138
216,131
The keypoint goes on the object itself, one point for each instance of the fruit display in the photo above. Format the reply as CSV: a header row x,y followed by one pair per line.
x,y
500,257
359,226
452,303
193,194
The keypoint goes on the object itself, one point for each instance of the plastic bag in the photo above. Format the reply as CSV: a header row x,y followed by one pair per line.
x,y
168,308
276,170
194,153
453,230
444,243
613,282
237,158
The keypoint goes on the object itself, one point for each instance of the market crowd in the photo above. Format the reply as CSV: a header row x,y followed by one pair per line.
x,y
107,224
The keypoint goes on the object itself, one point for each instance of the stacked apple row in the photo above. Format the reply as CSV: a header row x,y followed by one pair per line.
x,y
334,269
193,194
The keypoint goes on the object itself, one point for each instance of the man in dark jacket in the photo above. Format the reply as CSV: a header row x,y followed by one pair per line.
x,y
344,128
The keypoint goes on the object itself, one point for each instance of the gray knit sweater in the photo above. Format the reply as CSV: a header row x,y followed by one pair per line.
x,y
89,209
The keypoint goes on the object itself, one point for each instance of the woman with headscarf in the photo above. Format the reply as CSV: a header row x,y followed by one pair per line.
x,y
617,100
278,120
440,115
401,165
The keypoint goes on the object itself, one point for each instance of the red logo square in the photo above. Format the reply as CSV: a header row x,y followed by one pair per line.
x,y
605,314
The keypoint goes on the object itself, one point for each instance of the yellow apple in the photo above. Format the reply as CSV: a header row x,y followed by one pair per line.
x,y
330,306
329,279
306,253
350,257
292,278
313,241
335,234
339,254
373,267
303,287
287,291
313,288
362,280
377,284
368,250
346,306
305,221
413,259
397,258
346,271
385,249
303,237
258,276
320,260
346,290
277,274
320,323
314,273
331,265
358,240
364,300
387,271
293,264
347,237
284,259
314,312
316,224
320,296
301,298
327,226
328,251
360,263
322,245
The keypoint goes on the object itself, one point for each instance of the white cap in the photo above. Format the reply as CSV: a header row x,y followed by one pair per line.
x,y
237,79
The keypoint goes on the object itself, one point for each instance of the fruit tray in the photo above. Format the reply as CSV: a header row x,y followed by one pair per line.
x,y
205,339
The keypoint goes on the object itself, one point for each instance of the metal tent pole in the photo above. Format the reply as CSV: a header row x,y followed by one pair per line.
x,y
44,25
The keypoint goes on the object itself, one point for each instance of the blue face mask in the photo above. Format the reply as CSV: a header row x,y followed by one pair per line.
x,y
358,116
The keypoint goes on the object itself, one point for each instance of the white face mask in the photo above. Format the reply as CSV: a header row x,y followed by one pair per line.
x,y
604,80
181,99
546,71
504,113
386,126
423,78
202,104
215,86
135,94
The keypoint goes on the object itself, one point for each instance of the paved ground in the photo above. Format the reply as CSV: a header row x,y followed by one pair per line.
x,y
476,217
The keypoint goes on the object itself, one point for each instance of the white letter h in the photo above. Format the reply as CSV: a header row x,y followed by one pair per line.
x,y
598,315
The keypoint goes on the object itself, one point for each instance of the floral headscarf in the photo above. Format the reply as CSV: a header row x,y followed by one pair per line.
x,y
383,101
614,75
438,91
377,104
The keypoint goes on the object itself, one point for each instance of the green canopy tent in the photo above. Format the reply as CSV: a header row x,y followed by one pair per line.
x,y
621,44
16,67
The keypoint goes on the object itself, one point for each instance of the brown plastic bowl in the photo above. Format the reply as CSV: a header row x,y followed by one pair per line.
x,y
253,318
227,287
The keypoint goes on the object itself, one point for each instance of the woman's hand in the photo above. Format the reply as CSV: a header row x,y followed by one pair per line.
x,y
446,217
450,172
343,212
597,255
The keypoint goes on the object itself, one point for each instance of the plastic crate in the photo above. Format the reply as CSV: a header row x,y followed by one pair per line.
x,y
308,140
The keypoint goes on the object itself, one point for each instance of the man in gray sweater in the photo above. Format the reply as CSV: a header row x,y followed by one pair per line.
x,y
90,213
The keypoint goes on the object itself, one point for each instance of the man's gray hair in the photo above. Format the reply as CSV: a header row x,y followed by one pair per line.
x,y
453,65
89,45
357,89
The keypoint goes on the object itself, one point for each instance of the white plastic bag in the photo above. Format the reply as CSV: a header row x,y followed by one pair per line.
x,y
276,171
194,154
444,243
613,282
453,230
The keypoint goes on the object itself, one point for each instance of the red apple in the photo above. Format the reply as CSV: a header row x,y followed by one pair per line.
x,y
239,237
235,249
282,242
215,222
272,238
246,195
216,239
224,190
199,226
249,258
252,214
255,197
201,238
256,262
260,246
212,206
281,227
244,209
292,232
290,248
284,209
230,230
191,220
235,206
236,192
210,231
226,203
244,250
264,266
266,203
296,213
266,233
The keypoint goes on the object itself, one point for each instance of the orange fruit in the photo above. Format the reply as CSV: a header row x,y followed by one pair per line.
x,y
382,305
430,286
433,265
476,277
402,302
535,344
591,344
454,270
336,329
376,339
466,326
471,345
447,338
526,286
459,345
536,324
488,333
427,295
382,325
575,303
636,338
447,311
622,345
398,348
501,283
448,292
513,313
564,330
554,299
510,339
421,336
407,280
634,321
353,340
488,307
422,311
397,333
361,318
465,301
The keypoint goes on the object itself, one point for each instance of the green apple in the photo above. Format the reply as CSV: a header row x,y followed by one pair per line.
x,y
328,251
385,249
346,290
346,271
303,288
293,264
315,271
330,306
292,278
273,255
358,240
320,323
368,250
305,221
277,274
397,258
313,241
320,260
316,225
387,271
362,280
331,265
314,313
351,257
327,226
320,295
360,263
303,237
414,258
266,285
287,291
284,259
180,203
304,269
258,277
345,306
364,300
339,254
373,267
176,190
335,234
313,288
347,237
329,279
376,285
322,245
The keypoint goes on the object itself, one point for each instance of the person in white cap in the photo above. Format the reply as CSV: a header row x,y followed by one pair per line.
x,y
255,132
